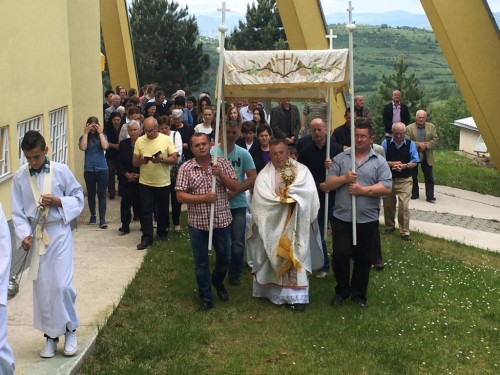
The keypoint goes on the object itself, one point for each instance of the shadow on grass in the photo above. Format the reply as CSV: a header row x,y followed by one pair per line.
x,y
433,310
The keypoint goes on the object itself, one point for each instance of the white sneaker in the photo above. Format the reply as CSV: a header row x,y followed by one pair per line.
x,y
70,343
50,349
321,274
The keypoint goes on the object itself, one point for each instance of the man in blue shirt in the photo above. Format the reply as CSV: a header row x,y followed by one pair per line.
x,y
243,164
402,156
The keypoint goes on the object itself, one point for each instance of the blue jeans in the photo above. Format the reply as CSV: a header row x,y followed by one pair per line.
x,y
97,182
237,241
222,244
321,223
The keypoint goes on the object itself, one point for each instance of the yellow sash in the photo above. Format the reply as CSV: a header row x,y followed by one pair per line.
x,y
285,248
42,239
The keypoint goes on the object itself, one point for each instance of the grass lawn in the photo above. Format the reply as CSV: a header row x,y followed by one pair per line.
x,y
433,310
458,171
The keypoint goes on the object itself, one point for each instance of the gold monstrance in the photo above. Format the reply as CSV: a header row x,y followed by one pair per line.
x,y
287,174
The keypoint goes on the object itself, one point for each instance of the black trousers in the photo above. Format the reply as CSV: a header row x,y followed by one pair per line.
x,y
176,206
428,177
130,198
112,177
150,196
363,254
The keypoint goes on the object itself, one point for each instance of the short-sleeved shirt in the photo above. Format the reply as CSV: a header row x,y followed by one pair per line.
x,y
314,110
241,160
155,175
95,161
195,180
372,170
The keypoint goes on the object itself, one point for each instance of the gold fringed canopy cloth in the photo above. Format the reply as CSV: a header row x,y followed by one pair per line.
x,y
284,75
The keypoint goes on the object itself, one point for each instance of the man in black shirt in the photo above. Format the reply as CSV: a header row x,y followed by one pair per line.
x,y
313,156
285,123
342,135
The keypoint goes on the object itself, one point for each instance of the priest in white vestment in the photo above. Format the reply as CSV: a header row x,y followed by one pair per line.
x,y
284,240
6,356
51,186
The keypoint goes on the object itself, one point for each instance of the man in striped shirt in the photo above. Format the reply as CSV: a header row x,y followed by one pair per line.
x,y
311,111
194,183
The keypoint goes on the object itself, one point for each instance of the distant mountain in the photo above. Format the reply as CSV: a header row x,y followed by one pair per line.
x,y
394,19
209,21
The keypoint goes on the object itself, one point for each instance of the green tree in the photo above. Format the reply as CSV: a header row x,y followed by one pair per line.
x,y
443,115
166,45
263,29
411,94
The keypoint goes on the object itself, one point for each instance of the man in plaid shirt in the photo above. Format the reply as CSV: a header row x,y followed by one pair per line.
x,y
194,184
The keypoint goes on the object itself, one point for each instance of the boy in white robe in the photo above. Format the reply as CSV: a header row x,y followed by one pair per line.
x,y
49,188
6,356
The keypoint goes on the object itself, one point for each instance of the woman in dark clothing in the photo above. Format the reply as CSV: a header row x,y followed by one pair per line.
x,y
260,154
184,130
112,132
259,117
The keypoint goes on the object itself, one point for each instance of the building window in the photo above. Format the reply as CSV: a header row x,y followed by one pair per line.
x,y
34,123
59,135
4,152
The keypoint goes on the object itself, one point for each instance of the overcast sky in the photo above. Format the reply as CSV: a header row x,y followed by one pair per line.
x,y
329,6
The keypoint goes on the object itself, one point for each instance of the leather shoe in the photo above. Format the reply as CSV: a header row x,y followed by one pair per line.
x,y
234,282
378,267
299,307
223,294
124,230
387,231
143,245
337,300
431,200
362,305
413,196
163,238
406,238
205,306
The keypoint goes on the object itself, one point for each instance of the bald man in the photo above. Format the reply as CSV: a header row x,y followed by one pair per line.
x,y
395,112
424,135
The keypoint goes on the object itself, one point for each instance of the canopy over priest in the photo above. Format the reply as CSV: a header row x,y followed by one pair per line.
x,y
284,240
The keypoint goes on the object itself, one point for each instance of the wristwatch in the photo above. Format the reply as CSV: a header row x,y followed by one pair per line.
x,y
161,160
407,165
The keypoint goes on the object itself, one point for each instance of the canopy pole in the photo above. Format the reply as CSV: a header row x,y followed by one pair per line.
x,y
350,28
222,34
330,38
328,137
224,128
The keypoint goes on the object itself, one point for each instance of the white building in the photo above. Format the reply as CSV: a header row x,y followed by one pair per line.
x,y
470,139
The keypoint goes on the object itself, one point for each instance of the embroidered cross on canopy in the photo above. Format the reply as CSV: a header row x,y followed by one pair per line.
x,y
284,75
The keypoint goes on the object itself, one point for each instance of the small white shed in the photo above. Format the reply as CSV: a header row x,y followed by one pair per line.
x,y
470,139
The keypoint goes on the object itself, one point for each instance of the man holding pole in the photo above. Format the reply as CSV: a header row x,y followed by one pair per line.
x,y
194,187
313,156
371,180
244,168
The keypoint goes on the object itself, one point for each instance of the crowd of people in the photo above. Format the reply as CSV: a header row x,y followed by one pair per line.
x,y
269,199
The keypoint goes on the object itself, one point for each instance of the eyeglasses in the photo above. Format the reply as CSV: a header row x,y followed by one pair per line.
x,y
150,131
